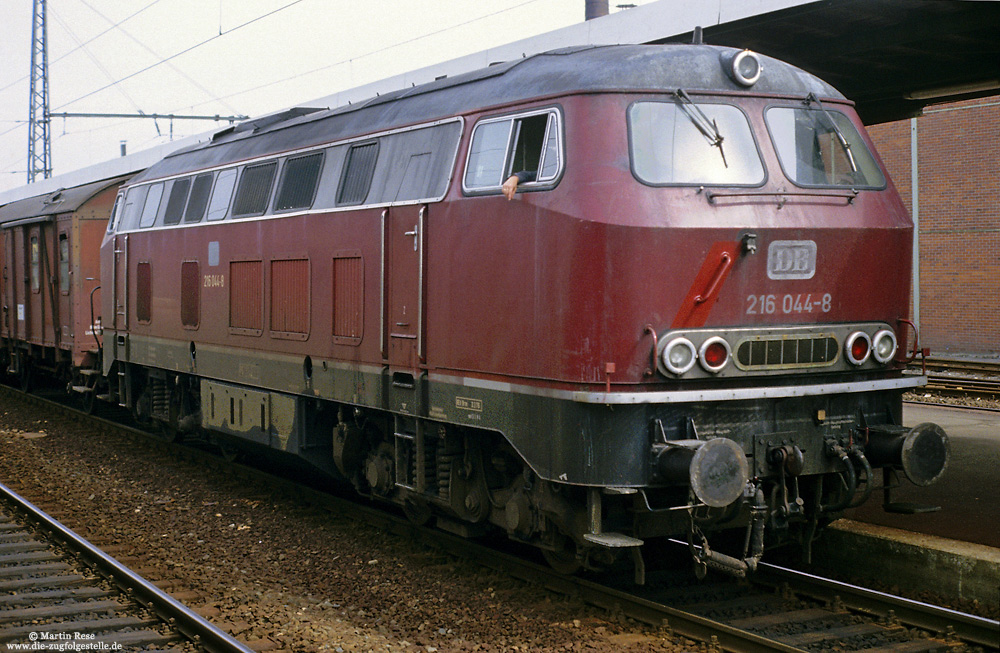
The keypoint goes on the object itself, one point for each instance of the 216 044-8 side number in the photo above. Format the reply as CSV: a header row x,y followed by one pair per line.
x,y
787,304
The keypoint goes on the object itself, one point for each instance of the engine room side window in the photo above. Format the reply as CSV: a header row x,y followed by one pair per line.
x,y
135,198
221,195
671,144
198,200
152,206
528,144
358,170
299,178
416,164
116,213
254,190
176,201
811,152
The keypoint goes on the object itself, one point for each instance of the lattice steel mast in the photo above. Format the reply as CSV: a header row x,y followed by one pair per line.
x,y
39,142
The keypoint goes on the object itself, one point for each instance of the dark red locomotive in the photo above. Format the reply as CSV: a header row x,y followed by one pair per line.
x,y
689,319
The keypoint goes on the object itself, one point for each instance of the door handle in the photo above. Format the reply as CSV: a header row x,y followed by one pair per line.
x,y
416,235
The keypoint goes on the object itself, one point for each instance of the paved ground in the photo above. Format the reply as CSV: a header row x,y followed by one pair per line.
x,y
969,491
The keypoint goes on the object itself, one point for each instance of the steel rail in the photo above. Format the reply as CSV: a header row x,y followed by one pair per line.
x,y
183,620
967,627
679,622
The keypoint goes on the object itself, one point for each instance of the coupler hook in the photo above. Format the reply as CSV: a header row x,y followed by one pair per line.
x,y
705,557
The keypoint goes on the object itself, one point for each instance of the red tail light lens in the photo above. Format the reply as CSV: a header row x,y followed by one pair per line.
x,y
714,354
858,347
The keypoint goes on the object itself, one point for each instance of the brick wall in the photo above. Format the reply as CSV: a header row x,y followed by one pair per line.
x,y
959,221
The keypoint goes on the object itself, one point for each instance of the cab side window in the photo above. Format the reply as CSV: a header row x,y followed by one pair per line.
x,y
501,147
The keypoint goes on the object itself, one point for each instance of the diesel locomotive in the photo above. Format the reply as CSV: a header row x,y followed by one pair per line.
x,y
690,319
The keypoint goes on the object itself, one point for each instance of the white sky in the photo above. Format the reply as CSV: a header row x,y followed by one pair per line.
x,y
227,57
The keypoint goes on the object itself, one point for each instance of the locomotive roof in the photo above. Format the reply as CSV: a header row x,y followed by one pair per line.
x,y
64,200
584,69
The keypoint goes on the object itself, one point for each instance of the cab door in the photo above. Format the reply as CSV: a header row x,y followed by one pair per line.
x,y
403,256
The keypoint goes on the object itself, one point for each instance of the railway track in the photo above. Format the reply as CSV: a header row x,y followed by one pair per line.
x,y
985,388
59,592
962,378
782,610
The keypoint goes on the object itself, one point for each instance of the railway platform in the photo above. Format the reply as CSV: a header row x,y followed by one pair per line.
x,y
967,492
954,551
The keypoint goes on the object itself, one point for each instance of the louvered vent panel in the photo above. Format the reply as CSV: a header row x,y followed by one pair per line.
x,y
290,296
246,295
348,297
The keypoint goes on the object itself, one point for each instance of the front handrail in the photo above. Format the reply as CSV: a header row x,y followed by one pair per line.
x,y
711,196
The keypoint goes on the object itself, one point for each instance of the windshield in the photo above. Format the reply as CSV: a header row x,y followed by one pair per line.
x,y
674,143
819,147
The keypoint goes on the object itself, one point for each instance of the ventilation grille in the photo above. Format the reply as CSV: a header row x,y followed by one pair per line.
x,y
787,352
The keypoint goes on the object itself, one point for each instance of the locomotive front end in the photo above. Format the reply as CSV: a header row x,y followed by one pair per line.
x,y
728,284
785,334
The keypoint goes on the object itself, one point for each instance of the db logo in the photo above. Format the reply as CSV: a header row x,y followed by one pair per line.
x,y
791,259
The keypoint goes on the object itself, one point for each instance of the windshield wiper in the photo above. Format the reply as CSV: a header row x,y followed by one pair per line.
x,y
836,130
708,128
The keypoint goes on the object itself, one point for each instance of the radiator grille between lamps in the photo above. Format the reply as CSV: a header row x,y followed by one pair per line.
x,y
786,352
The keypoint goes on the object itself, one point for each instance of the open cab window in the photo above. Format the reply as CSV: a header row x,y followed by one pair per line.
x,y
528,143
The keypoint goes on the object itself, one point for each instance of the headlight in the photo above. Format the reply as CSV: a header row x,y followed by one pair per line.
x,y
743,67
679,355
714,354
884,346
858,347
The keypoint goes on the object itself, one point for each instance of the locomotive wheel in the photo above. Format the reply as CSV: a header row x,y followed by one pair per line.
x,y
417,511
229,453
26,376
167,432
88,402
563,559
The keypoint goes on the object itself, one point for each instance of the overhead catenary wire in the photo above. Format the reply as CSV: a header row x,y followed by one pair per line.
x,y
162,61
177,70
372,52
85,43
186,106
183,52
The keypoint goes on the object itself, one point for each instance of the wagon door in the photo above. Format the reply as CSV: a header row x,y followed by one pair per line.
x,y
36,318
19,281
7,298
403,256
63,275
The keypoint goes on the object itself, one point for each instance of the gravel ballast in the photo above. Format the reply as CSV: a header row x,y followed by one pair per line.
x,y
281,575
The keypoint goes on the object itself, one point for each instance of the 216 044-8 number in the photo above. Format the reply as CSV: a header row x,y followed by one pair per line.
x,y
789,304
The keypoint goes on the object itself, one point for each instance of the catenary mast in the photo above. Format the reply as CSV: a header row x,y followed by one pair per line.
x,y
39,143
